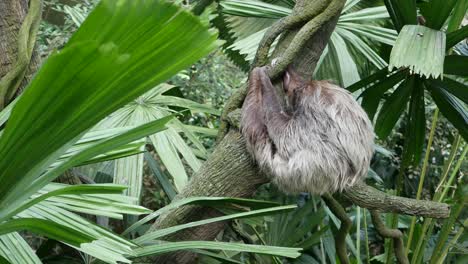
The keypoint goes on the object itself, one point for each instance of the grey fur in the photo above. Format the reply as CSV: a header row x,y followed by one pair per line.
x,y
322,143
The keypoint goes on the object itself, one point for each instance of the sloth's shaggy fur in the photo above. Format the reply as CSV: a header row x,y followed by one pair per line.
x,y
323,142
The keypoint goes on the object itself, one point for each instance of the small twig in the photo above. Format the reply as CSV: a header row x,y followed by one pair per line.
x,y
345,227
395,234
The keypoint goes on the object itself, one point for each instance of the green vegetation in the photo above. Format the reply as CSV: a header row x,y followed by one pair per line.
x,y
111,152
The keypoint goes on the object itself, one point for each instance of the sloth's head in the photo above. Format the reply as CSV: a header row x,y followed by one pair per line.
x,y
293,86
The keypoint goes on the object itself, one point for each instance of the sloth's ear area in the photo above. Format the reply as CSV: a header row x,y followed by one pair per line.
x,y
291,80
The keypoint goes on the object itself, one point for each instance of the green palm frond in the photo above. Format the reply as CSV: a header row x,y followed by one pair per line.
x,y
169,144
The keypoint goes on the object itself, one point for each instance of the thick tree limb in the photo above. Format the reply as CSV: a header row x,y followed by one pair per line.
x,y
230,171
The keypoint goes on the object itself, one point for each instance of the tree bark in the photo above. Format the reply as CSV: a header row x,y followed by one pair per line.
x,y
12,14
230,171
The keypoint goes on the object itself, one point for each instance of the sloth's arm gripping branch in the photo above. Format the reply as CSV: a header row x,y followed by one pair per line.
x,y
276,120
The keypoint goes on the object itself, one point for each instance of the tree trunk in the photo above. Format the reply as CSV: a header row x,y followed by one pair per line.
x,y
12,14
230,171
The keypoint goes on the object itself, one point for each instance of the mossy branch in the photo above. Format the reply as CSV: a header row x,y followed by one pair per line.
x,y
394,234
346,224
310,15
368,197
300,16
10,83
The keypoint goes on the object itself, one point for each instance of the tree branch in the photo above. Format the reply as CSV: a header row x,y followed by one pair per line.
x,y
346,224
368,197
395,234
10,83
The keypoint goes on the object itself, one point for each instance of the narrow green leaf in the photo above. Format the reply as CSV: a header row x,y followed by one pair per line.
x,y
369,80
416,127
16,250
185,103
456,65
162,179
454,110
249,8
456,36
436,12
210,132
206,201
105,245
370,13
402,12
47,228
393,107
6,112
69,190
220,256
458,89
175,246
154,235
348,69
371,96
457,16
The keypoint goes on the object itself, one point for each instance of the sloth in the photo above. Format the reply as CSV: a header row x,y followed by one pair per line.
x,y
316,138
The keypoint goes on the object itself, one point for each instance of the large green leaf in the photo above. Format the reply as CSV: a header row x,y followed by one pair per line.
x,y
436,12
402,12
105,65
393,108
453,109
420,49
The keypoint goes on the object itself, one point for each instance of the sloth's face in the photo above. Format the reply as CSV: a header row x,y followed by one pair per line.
x,y
293,86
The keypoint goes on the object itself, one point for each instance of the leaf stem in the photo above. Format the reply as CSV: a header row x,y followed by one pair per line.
x,y
423,175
